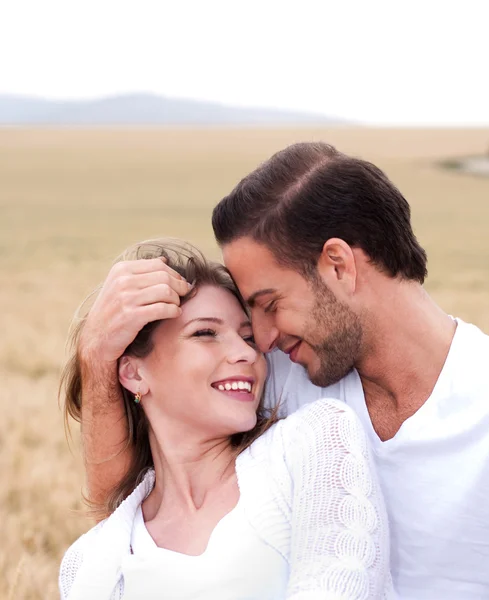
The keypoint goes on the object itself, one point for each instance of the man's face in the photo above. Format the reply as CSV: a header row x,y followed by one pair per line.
x,y
300,316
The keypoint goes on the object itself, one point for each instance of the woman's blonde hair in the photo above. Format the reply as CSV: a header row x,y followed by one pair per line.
x,y
197,270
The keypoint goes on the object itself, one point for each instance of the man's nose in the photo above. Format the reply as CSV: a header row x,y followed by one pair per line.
x,y
266,334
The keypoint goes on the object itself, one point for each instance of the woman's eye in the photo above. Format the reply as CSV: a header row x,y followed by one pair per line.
x,y
270,307
205,333
250,339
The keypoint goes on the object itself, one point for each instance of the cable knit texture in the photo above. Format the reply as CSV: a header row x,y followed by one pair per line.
x,y
310,492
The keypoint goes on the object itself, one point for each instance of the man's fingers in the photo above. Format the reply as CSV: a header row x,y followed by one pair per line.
x,y
156,312
175,274
156,294
144,280
144,265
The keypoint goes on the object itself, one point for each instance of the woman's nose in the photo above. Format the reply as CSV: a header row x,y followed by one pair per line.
x,y
242,351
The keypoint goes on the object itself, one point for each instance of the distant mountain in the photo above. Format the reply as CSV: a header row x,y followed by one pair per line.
x,y
144,109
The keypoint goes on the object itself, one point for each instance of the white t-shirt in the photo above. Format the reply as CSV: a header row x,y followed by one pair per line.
x,y
237,564
434,472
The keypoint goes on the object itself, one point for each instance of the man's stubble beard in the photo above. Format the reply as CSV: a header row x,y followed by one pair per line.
x,y
334,332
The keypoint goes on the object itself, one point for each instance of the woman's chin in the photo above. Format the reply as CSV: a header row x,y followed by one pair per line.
x,y
249,423
242,424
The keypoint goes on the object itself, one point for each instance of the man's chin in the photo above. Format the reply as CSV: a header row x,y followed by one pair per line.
x,y
314,374
319,374
324,378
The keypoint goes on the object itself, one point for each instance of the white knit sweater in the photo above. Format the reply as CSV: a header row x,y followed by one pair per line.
x,y
309,491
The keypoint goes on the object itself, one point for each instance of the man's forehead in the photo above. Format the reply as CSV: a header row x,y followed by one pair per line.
x,y
254,268
244,256
255,277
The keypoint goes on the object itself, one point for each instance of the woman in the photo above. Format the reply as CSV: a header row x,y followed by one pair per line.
x,y
223,501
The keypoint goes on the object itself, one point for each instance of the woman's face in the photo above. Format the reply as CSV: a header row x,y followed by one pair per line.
x,y
204,373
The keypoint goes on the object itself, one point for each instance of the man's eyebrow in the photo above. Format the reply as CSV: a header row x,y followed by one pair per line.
x,y
251,301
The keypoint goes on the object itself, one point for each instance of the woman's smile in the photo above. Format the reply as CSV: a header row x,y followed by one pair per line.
x,y
240,388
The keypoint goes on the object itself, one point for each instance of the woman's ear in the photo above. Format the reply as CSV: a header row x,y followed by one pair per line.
x,y
129,375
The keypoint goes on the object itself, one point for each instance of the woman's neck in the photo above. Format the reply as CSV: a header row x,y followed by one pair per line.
x,y
188,469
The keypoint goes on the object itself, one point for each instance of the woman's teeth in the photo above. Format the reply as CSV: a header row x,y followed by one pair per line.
x,y
235,385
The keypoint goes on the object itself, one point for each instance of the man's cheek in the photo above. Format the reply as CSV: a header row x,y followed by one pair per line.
x,y
288,323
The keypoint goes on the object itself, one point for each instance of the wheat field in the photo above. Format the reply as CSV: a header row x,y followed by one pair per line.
x,y
71,200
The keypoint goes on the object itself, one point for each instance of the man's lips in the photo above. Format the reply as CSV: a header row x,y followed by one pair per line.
x,y
292,351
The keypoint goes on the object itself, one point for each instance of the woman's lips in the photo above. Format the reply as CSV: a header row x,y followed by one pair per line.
x,y
241,395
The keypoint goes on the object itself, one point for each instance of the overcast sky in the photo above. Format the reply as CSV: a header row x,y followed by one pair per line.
x,y
374,61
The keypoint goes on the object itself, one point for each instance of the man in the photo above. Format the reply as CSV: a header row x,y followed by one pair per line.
x,y
322,249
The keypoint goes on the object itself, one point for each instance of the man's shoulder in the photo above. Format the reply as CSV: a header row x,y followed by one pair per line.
x,y
471,348
470,333
463,384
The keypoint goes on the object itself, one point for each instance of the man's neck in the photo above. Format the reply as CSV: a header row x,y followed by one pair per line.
x,y
407,344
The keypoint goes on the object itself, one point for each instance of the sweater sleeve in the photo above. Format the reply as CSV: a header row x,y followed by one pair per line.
x,y
73,560
71,563
339,547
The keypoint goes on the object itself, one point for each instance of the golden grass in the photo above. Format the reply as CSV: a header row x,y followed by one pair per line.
x,y
71,200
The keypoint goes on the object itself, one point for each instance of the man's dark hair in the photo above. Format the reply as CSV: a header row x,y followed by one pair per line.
x,y
310,192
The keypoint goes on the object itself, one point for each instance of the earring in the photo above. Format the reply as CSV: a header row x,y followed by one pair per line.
x,y
137,397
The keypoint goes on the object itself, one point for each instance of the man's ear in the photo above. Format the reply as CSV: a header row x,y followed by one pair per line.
x,y
129,375
337,265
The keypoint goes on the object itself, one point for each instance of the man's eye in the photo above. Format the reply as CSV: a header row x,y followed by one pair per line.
x,y
270,307
205,332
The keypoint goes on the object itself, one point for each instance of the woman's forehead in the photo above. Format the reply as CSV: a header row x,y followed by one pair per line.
x,y
213,302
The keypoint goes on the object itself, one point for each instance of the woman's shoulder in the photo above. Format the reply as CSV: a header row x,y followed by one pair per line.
x,y
324,408
320,435
104,543
74,557
85,541
323,428
320,442
324,420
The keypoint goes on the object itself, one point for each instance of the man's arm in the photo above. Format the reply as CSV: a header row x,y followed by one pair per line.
x,y
106,449
134,294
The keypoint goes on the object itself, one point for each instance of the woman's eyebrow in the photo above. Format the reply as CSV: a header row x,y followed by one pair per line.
x,y
215,320
205,320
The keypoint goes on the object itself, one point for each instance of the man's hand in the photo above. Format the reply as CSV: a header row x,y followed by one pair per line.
x,y
135,293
